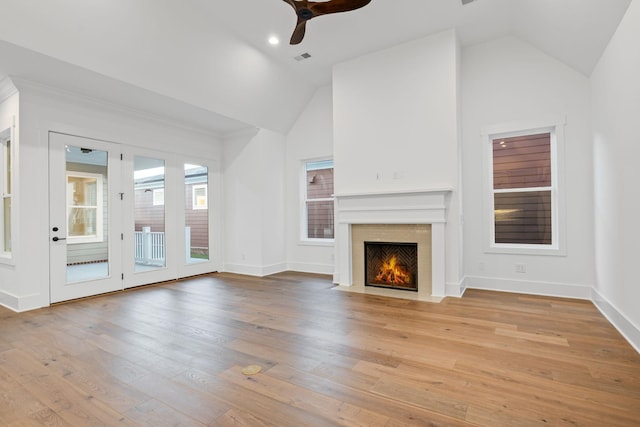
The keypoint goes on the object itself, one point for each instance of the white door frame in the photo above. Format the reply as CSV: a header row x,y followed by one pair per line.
x,y
214,184
59,289
169,271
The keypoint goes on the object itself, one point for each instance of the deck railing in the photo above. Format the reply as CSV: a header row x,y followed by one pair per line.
x,y
149,247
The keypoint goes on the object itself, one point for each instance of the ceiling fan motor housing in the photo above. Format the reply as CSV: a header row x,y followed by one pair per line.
x,y
305,14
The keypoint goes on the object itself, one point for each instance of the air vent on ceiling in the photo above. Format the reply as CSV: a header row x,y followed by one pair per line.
x,y
302,57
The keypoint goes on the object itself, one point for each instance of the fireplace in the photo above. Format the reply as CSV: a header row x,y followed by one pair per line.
x,y
405,248
411,216
391,265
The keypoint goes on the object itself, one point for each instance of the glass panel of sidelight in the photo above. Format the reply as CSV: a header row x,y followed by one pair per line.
x,y
149,213
196,227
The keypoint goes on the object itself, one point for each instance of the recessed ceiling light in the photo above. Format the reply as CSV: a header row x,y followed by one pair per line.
x,y
273,40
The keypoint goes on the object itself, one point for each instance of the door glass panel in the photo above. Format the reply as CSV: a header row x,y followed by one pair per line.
x,y
87,207
6,197
149,213
196,230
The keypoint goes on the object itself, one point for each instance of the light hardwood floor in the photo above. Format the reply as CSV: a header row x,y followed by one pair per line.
x,y
172,355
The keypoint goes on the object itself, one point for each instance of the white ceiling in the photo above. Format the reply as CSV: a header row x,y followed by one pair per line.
x,y
207,62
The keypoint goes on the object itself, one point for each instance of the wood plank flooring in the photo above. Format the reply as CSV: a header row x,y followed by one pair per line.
x,y
172,355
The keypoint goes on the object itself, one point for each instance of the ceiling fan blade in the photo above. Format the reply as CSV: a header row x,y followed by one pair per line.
x,y
306,10
335,6
298,33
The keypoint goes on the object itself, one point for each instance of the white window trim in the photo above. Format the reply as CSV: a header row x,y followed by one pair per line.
x,y
99,236
6,135
558,212
195,206
304,239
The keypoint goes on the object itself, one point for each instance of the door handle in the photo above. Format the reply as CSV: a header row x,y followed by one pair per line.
x,y
55,239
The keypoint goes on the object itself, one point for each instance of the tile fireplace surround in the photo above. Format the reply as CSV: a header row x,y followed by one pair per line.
x,y
392,217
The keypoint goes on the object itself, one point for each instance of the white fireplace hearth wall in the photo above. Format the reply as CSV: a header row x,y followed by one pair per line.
x,y
383,212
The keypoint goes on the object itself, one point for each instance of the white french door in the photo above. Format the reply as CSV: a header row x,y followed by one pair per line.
x,y
85,231
123,216
150,216
168,223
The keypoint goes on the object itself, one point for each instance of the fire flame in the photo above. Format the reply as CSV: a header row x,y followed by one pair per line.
x,y
393,273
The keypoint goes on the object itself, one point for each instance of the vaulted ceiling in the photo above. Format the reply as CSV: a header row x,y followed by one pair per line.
x,y
208,62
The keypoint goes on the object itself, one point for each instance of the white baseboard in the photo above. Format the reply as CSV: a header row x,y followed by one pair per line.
x,y
255,270
529,287
20,304
455,289
628,330
9,301
274,268
311,268
246,269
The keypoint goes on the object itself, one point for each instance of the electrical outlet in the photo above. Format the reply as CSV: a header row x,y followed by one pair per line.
x,y
521,268
481,266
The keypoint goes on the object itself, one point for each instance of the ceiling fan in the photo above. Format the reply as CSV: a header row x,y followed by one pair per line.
x,y
306,10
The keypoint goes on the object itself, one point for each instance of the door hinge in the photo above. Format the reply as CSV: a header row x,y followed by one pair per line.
x,y
121,236
121,196
120,156
122,276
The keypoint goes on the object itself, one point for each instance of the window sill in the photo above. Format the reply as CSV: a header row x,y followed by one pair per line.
x,y
526,250
317,242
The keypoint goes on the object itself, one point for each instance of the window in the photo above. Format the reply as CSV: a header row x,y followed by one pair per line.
x,y
158,197
318,200
523,187
84,207
200,196
5,191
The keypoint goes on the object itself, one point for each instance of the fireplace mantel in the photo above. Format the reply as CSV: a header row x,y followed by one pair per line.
x,y
419,206
396,192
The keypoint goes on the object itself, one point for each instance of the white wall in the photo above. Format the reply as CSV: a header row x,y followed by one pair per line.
x,y
507,81
42,110
254,203
396,126
395,117
311,137
272,175
616,127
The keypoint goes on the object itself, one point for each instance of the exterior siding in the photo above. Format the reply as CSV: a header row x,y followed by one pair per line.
x,y
147,215
320,221
197,219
